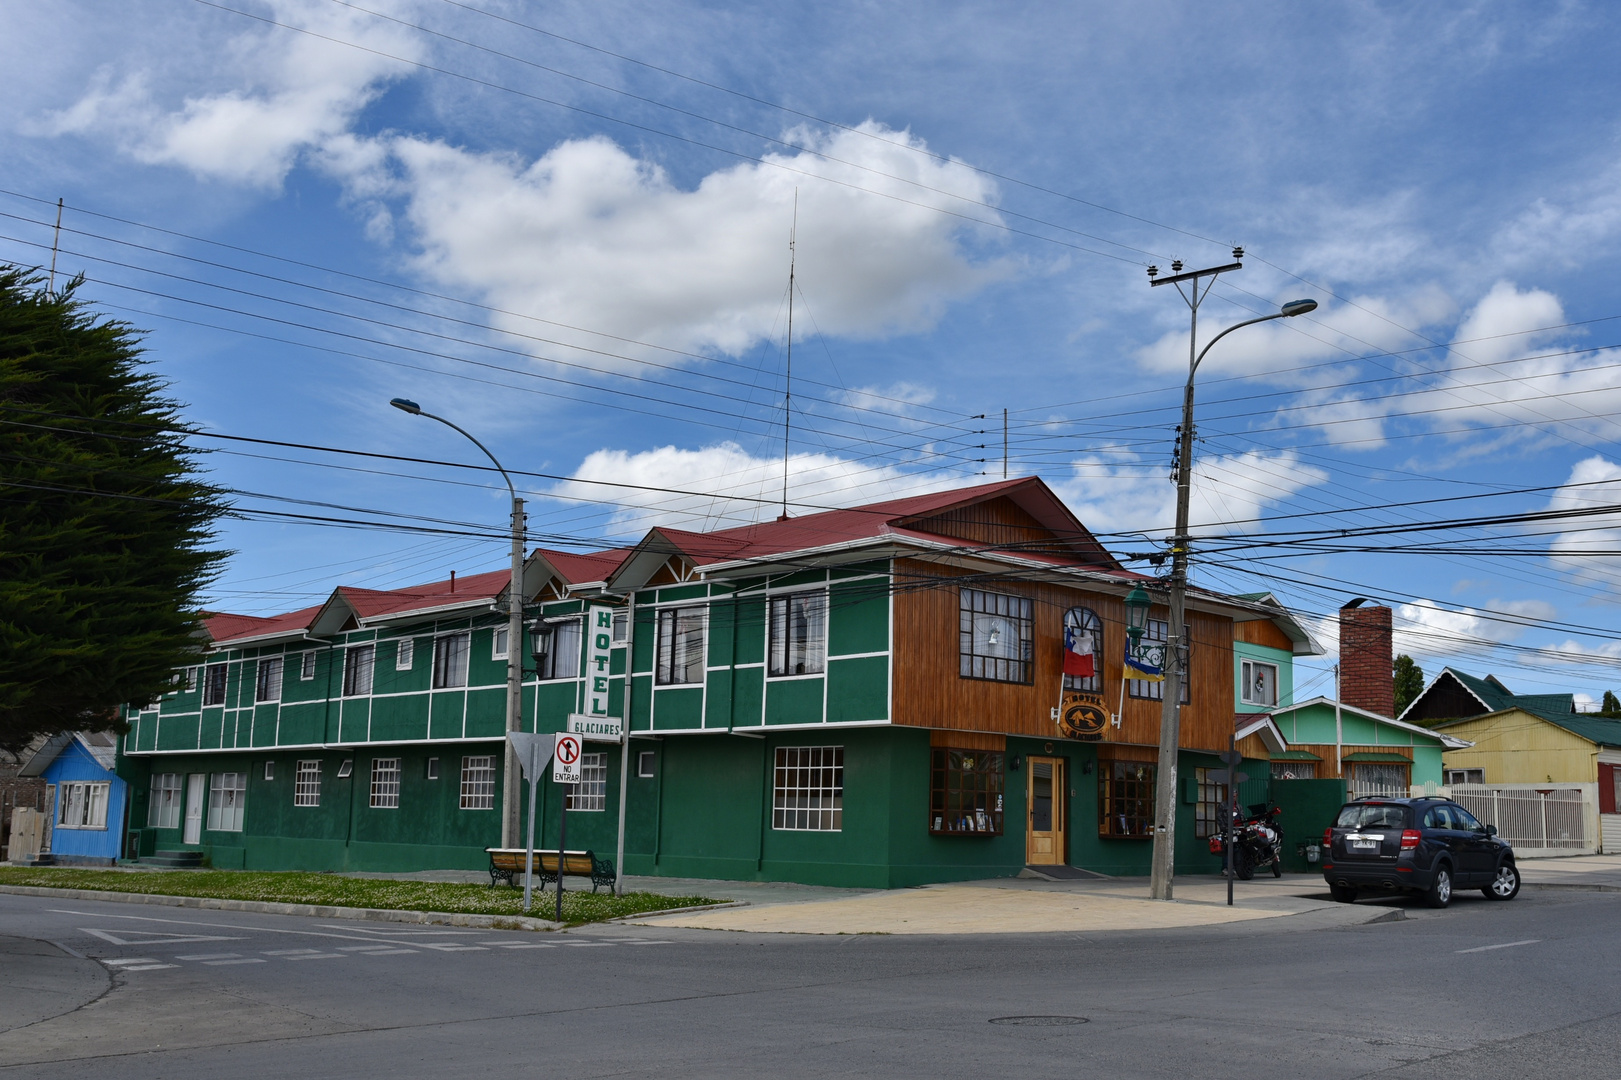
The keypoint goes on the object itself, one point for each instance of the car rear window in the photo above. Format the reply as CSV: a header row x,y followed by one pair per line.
x,y
1372,816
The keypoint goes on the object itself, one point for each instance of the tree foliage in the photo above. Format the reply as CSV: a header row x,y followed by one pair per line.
x,y
1609,706
104,518
1409,679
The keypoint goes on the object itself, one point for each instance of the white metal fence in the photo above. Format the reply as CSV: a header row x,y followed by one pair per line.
x,y
1538,819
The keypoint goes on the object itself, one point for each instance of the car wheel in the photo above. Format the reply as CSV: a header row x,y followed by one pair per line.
x,y
1506,885
1243,864
1342,893
1440,891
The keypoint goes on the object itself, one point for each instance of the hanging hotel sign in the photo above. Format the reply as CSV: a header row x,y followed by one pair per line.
x,y
1083,716
599,636
596,728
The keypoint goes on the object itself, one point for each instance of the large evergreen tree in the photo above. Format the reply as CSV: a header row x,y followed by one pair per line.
x,y
104,518
1409,681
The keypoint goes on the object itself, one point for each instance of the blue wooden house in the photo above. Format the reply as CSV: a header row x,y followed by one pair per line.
x,y
88,799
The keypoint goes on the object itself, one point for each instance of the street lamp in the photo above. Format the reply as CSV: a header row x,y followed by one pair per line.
x,y
1137,604
1176,651
509,793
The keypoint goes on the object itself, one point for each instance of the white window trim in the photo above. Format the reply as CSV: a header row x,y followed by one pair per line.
x,y
221,816
473,796
646,764
405,654
496,651
827,619
467,660
1244,681
656,644
87,807
592,802
381,776
307,783
306,665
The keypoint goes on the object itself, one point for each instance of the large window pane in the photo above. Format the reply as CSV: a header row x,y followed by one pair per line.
x,y
799,633
358,664
681,654
996,636
808,789
450,660
965,792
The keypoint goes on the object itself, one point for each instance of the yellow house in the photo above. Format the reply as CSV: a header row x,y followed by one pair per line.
x,y
1517,745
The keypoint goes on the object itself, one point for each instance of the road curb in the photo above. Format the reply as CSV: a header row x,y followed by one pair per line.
x,y
1577,886
321,911
678,911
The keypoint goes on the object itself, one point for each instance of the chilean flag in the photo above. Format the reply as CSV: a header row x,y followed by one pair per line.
x,y
1078,649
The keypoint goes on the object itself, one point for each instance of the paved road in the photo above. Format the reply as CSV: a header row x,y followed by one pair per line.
x,y
1481,990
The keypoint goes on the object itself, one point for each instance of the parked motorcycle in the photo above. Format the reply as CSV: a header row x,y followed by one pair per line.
x,y
1257,842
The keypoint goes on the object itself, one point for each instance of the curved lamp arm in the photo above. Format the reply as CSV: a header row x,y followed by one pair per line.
x,y
407,405
1290,310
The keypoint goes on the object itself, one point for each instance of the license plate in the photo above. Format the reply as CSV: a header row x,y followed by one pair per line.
x,y
1365,845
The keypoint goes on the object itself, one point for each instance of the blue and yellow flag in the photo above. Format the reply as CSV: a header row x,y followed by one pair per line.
x,y
1139,668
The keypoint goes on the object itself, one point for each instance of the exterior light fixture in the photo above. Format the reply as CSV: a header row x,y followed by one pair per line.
x,y
1137,604
406,405
1299,307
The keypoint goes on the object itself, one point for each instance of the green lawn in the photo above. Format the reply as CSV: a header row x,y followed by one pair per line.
x,y
303,888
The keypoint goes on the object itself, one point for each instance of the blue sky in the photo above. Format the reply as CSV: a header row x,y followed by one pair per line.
x,y
566,227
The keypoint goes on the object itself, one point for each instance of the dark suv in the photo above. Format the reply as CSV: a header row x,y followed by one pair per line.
x,y
1426,846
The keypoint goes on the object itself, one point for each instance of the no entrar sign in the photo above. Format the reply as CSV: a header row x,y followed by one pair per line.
x,y
566,760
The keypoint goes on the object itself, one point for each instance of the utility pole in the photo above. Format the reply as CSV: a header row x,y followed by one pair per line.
x,y
1176,645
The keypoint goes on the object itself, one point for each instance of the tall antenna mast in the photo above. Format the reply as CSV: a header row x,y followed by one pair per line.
x,y
788,382
56,242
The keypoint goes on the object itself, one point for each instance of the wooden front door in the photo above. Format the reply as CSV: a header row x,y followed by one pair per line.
x,y
1044,837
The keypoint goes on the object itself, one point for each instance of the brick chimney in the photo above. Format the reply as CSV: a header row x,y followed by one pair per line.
x,y
1366,660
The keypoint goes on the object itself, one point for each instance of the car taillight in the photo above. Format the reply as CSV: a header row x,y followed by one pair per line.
x,y
1328,837
1409,839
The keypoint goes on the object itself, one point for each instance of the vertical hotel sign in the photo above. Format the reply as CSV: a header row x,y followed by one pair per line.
x,y
598,649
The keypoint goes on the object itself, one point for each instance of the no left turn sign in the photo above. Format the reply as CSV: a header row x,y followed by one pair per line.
x,y
566,760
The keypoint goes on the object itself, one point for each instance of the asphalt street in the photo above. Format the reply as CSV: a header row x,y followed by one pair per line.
x,y
1484,990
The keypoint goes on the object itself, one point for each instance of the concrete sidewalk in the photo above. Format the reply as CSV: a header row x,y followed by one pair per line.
x,y
1014,906
1599,872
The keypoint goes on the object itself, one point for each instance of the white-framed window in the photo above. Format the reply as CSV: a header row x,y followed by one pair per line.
x,y
1259,683
680,640
270,770
1156,633
591,793
1463,776
346,768
385,783
798,633
307,784
82,805
646,763
227,797
306,666
996,632
478,783
432,770
163,811
557,649
191,680
267,684
621,630
808,789
1294,770
359,664
214,685
405,654
450,660
498,644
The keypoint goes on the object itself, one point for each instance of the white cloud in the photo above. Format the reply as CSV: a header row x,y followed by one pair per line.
x,y
738,487
590,235
1426,629
1233,491
1580,549
289,92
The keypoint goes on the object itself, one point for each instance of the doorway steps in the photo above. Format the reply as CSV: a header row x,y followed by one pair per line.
x,y
177,860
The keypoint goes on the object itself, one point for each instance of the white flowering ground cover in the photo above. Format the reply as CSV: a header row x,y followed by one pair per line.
x,y
290,887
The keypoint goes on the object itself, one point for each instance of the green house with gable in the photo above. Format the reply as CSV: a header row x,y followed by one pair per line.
x,y
854,697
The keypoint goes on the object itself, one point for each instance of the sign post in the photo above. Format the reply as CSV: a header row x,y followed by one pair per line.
x,y
1232,759
532,752
565,771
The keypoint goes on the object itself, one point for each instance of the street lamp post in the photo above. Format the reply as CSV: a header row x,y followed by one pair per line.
x,y
509,790
1176,650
